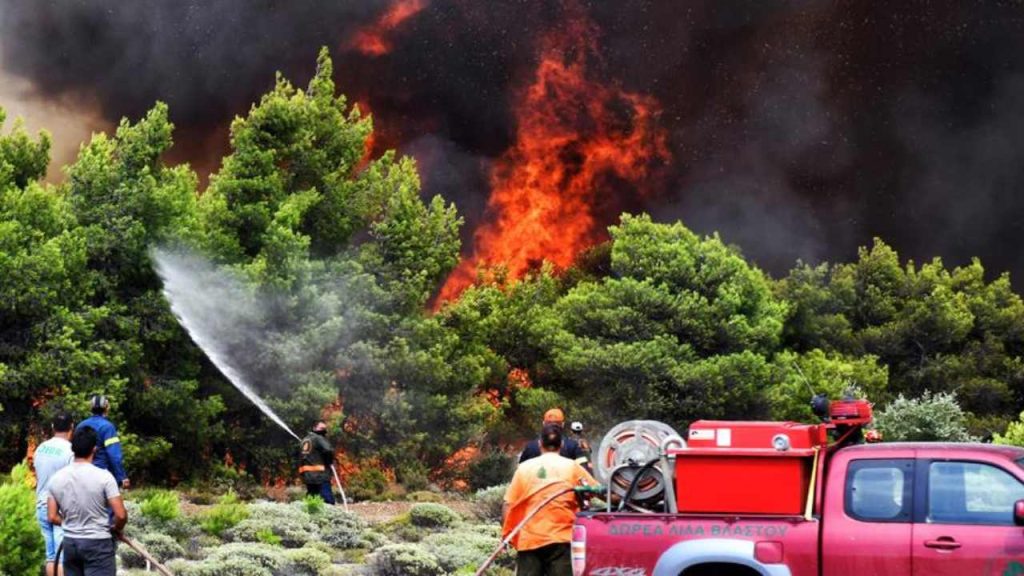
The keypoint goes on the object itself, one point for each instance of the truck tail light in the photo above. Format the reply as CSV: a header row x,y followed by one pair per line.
x,y
579,550
769,552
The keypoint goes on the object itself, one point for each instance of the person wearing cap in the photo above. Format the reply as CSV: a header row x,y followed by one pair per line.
x,y
316,458
108,445
571,449
543,543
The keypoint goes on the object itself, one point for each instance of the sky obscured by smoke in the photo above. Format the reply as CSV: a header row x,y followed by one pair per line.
x,y
798,129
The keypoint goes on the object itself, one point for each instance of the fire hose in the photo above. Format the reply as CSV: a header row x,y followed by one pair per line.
x,y
150,560
508,539
344,500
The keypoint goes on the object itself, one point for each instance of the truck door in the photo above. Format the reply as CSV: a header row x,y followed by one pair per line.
x,y
967,522
868,532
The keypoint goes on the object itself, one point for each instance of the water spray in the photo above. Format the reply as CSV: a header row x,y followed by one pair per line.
x,y
213,306
198,293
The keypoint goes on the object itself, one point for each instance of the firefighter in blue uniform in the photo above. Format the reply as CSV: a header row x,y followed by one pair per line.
x,y
108,445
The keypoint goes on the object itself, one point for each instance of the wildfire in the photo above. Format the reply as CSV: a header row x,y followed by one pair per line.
x,y
576,137
453,473
374,40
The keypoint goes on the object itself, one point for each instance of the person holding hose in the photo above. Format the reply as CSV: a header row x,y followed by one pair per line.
x,y
316,458
84,500
543,542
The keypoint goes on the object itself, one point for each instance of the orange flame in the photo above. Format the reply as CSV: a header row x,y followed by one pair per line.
x,y
453,473
375,39
575,138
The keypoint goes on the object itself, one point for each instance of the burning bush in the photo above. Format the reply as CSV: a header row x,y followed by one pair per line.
x,y
366,484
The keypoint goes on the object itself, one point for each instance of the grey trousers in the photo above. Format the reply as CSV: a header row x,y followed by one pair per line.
x,y
84,557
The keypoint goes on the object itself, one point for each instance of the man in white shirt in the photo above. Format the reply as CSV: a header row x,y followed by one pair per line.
x,y
48,458
81,496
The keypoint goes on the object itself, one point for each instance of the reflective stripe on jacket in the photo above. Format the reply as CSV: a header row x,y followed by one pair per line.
x,y
108,446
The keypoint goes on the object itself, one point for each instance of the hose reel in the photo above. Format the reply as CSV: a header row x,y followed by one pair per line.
x,y
629,446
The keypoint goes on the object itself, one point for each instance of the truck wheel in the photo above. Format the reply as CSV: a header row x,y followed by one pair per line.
x,y
720,569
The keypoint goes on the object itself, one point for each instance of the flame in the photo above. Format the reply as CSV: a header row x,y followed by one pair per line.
x,y
375,39
575,138
452,474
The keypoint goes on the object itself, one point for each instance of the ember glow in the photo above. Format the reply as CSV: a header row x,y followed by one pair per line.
x,y
375,40
577,139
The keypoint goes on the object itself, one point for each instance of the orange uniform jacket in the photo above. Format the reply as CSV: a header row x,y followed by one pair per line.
x,y
536,480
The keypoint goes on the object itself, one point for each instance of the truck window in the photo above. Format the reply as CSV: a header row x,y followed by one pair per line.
x,y
879,490
971,493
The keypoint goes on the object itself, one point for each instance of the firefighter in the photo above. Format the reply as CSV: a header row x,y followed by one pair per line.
x,y
571,449
542,545
317,457
108,445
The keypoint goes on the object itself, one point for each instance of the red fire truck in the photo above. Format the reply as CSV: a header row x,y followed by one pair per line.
x,y
787,499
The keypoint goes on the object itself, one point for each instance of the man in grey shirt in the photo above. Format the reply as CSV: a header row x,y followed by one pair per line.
x,y
48,458
80,496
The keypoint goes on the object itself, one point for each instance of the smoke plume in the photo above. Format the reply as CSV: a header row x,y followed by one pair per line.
x,y
798,129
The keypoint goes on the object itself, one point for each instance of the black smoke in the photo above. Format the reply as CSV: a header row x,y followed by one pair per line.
x,y
798,129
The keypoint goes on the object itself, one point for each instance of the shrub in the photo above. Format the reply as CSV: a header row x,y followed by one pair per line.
x,y
292,532
372,540
22,550
289,522
227,513
199,496
161,546
366,484
424,496
313,505
235,566
307,562
413,475
1014,435
271,510
161,505
403,560
335,515
460,550
403,531
432,515
343,532
264,555
932,417
267,536
492,467
487,503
